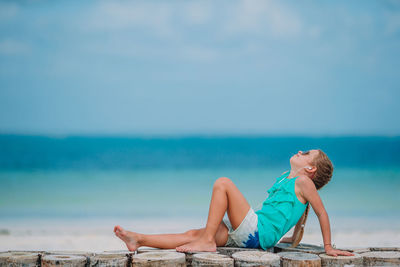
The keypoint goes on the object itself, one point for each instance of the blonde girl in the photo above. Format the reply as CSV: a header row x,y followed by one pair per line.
x,y
286,205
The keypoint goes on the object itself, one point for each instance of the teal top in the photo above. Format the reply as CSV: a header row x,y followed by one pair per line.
x,y
280,211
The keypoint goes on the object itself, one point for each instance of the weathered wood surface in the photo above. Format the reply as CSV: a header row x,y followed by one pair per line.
x,y
30,251
355,249
211,260
189,256
158,259
381,258
148,249
53,260
255,258
340,261
230,250
294,259
109,260
384,248
302,247
115,252
225,256
19,258
69,252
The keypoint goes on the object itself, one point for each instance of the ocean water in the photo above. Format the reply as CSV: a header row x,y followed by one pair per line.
x,y
60,193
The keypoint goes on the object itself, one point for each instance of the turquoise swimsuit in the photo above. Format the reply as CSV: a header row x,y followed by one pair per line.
x,y
280,211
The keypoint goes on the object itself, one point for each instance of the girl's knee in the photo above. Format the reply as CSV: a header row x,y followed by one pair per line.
x,y
222,181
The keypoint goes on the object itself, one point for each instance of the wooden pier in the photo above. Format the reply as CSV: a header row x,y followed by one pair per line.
x,y
280,255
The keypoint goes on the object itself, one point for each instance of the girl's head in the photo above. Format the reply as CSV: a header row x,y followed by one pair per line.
x,y
315,164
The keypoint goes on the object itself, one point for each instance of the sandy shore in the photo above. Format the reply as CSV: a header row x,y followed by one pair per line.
x,y
100,242
97,235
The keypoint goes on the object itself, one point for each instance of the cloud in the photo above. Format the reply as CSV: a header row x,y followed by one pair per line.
x,y
170,23
13,47
114,16
263,17
167,22
168,19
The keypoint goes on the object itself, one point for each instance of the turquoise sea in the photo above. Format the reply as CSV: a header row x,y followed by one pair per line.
x,y
53,180
146,193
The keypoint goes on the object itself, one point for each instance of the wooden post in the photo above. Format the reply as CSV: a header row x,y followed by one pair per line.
x,y
331,261
109,260
381,258
189,257
19,258
294,259
168,259
255,258
302,247
63,260
211,260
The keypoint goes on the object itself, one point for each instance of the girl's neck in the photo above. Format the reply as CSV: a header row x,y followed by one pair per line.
x,y
294,173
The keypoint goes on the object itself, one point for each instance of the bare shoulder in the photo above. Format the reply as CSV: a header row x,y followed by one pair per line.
x,y
309,193
306,186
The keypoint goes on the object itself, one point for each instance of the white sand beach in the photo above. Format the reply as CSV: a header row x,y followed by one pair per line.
x,y
97,235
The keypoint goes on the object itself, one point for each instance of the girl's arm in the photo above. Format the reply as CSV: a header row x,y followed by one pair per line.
x,y
309,192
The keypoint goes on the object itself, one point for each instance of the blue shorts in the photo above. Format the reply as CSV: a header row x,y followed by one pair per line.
x,y
246,235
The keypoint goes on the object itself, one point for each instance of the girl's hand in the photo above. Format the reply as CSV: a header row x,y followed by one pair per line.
x,y
336,252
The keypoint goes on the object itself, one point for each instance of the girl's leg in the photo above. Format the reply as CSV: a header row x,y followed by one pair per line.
x,y
226,197
135,240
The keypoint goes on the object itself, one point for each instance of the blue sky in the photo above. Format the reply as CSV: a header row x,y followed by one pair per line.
x,y
200,67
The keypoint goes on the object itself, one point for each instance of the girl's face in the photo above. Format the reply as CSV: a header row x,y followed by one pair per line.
x,y
303,158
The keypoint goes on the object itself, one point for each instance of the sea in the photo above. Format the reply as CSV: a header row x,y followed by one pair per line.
x,y
68,192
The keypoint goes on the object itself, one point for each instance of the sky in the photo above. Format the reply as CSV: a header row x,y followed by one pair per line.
x,y
200,67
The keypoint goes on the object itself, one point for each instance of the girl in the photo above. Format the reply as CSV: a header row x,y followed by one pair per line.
x,y
287,204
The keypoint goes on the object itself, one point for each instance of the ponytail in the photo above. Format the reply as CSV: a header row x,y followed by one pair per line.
x,y
299,235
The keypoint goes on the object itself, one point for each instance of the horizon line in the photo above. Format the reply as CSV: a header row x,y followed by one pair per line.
x,y
197,135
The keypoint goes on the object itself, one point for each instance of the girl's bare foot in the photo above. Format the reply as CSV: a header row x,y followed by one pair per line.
x,y
131,239
201,244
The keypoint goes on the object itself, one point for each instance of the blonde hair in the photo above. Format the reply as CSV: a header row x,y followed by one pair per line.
x,y
321,177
